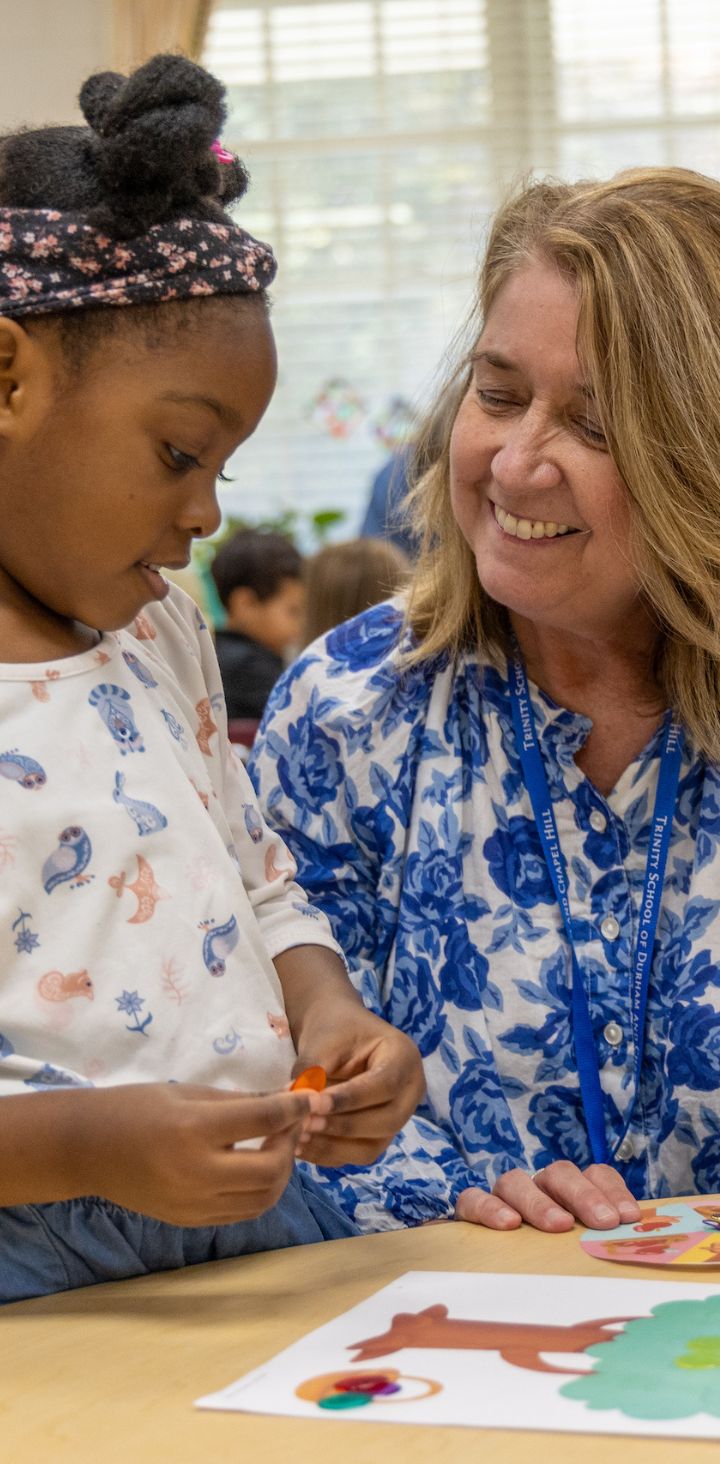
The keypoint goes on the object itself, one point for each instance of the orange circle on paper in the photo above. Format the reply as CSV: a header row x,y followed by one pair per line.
x,y
326,1384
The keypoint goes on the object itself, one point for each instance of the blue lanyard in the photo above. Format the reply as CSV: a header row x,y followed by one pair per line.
x,y
537,785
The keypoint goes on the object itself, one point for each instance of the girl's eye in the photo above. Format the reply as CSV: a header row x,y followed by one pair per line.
x,y
182,462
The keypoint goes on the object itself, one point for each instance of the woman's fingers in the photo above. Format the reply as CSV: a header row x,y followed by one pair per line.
x,y
479,1208
519,1190
613,1186
592,1196
552,1200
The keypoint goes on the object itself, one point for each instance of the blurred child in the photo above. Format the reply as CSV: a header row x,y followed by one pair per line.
x,y
343,579
162,976
259,580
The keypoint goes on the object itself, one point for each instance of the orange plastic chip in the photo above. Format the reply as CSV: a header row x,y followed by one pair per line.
x,y
313,1077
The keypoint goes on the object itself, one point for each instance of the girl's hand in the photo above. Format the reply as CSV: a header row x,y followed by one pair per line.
x,y
552,1200
376,1081
375,1071
167,1149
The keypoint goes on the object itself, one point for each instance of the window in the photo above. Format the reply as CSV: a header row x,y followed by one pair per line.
x,y
380,134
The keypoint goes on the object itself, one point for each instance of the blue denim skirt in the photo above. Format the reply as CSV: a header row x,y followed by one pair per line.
x,y
49,1248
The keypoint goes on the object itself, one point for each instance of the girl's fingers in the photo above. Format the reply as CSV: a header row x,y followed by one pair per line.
x,y
253,1116
319,1149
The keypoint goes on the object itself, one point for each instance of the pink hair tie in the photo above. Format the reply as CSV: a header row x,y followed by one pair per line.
x,y
221,153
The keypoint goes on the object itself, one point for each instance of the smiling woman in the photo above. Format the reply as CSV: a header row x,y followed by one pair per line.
x,y
513,818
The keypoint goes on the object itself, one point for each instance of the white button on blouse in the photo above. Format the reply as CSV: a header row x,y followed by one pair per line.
x,y
610,928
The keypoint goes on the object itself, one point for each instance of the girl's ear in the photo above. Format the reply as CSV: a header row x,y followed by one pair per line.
x,y
27,380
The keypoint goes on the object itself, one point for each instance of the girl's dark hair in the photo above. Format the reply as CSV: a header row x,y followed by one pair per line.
x,y
143,159
257,559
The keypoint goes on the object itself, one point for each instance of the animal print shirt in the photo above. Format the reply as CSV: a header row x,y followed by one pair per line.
x,y
142,897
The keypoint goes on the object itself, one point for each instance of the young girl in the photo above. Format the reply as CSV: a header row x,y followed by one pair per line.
x,y
162,975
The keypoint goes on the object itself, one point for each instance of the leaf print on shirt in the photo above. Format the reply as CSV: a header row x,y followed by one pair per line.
x,y
148,818
8,845
23,770
145,888
113,705
68,861
173,986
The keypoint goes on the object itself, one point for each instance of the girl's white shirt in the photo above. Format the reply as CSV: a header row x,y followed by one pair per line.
x,y
142,895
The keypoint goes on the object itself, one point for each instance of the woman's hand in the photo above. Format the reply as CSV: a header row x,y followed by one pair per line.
x,y
377,1082
552,1200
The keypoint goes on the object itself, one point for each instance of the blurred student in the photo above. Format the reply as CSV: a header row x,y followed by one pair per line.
x,y
259,578
343,579
385,511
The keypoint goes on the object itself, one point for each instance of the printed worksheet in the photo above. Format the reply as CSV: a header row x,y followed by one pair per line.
x,y
571,1353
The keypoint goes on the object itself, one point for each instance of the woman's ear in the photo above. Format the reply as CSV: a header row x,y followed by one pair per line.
x,y
27,380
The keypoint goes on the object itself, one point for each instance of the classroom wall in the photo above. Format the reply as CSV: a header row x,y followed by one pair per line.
x,y
47,48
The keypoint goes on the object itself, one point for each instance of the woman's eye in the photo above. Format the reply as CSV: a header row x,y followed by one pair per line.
x,y
492,400
594,434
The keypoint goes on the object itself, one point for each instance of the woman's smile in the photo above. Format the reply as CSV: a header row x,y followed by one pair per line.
x,y
529,531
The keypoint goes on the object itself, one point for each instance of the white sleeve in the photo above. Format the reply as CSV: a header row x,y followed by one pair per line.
x,y
284,914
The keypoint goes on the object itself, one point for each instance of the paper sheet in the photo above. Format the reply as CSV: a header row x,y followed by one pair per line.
x,y
570,1353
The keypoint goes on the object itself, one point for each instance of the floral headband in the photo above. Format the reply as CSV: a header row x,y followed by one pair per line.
x,y
52,261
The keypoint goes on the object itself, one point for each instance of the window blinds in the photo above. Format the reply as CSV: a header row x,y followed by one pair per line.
x,y
380,134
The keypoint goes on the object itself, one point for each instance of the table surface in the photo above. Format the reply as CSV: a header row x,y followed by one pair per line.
x,y
107,1375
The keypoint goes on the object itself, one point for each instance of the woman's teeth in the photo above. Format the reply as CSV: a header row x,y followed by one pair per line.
x,y
528,528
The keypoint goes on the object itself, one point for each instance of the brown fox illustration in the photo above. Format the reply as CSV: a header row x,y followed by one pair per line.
x,y
519,1343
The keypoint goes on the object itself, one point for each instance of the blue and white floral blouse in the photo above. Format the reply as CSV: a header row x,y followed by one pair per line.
x,y
402,800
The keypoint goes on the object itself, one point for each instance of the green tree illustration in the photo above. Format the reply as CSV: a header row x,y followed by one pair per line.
x,y
663,1366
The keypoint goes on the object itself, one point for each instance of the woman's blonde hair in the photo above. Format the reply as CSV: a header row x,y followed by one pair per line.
x,y
643,251
343,579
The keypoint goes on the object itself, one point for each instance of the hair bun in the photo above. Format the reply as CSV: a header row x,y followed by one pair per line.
x,y
96,95
154,132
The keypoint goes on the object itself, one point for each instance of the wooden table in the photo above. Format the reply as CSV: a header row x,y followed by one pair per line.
x,y
108,1375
